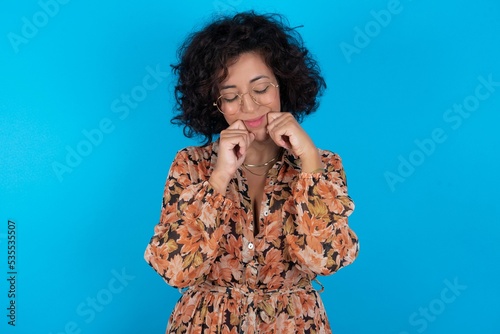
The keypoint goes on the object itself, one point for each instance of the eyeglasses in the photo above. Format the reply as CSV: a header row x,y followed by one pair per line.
x,y
262,94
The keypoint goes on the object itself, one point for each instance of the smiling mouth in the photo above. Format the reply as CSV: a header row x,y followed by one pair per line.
x,y
253,123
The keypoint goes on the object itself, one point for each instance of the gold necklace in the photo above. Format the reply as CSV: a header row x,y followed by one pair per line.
x,y
263,164
256,174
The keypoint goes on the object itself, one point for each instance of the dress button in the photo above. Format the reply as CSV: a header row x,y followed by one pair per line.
x,y
271,183
250,246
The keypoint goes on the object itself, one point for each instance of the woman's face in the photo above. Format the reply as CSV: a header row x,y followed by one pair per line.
x,y
249,74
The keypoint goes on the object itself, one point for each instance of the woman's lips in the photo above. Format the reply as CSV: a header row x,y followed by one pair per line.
x,y
256,122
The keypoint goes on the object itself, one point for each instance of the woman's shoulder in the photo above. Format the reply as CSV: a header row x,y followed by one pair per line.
x,y
331,158
329,154
198,153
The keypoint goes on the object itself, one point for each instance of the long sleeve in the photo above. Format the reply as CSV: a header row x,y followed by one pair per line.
x,y
318,236
192,221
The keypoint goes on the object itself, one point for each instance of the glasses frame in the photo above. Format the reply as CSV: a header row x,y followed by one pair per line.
x,y
276,86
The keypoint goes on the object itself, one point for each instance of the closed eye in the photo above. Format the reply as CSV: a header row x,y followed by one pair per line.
x,y
261,90
229,97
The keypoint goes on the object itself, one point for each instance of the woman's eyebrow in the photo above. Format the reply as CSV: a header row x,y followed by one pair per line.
x,y
259,77
251,81
228,86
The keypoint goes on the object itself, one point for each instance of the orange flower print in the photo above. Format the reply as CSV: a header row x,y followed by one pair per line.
x,y
240,281
174,269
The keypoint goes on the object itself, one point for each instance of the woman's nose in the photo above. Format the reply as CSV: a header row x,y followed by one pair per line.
x,y
248,103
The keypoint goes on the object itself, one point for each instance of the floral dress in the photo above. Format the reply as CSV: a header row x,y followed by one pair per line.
x,y
238,281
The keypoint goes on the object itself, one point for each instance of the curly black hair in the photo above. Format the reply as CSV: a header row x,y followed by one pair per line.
x,y
206,55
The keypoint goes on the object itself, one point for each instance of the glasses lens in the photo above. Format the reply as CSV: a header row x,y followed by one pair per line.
x,y
228,103
264,93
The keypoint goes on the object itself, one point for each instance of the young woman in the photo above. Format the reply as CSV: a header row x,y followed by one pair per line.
x,y
251,218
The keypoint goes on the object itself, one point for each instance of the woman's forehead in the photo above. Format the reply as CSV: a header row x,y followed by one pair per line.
x,y
248,68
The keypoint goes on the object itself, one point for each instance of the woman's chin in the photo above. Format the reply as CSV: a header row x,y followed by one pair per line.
x,y
261,136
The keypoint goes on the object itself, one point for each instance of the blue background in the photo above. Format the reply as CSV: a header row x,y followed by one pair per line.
x,y
431,224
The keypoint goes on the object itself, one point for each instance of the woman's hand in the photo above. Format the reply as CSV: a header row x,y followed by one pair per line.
x,y
233,145
287,132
